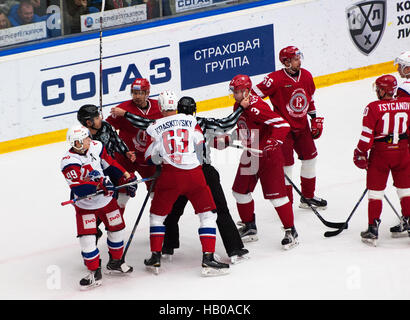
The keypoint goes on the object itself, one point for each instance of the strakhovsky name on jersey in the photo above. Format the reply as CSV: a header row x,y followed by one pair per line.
x,y
173,123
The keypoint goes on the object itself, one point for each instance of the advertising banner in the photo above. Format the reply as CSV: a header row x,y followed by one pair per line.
x,y
219,58
114,17
185,5
28,32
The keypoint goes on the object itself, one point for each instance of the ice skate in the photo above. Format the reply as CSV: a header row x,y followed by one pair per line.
x,y
91,280
315,202
248,232
402,229
117,267
370,236
211,267
167,254
291,239
154,263
239,255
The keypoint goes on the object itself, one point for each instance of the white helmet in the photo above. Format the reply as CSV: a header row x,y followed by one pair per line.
x,y
77,133
168,101
403,59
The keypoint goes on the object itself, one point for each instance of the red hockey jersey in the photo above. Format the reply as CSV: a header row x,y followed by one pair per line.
x,y
385,120
291,98
258,123
135,139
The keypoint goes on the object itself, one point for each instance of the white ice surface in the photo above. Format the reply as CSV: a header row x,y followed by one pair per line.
x,y
38,240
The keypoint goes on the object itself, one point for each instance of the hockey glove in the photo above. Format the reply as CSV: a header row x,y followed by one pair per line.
x,y
360,159
131,190
271,146
316,127
106,185
222,142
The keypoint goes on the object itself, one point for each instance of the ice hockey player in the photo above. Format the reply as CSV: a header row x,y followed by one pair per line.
x,y
89,116
135,138
87,168
230,237
403,68
291,92
177,140
403,90
261,128
384,133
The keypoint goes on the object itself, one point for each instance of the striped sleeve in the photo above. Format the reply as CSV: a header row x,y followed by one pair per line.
x,y
280,127
223,124
137,121
367,134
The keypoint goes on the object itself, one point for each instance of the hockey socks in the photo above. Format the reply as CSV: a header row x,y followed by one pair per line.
x,y
374,209
285,212
207,230
308,187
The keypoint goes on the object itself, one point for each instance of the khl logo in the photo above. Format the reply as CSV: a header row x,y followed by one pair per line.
x,y
367,20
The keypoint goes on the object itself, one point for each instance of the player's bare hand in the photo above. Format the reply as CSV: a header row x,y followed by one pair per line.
x,y
131,155
245,102
117,112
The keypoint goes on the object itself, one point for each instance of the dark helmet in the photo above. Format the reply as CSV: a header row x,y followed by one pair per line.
x,y
87,112
186,105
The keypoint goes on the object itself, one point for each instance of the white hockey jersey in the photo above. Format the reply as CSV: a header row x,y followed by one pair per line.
x,y
82,172
404,89
176,139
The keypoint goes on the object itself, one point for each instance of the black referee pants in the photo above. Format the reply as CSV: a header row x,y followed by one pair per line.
x,y
226,226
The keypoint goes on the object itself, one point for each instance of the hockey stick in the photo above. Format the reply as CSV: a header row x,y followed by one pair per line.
x,y
336,232
72,201
329,224
156,174
245,148
101,71
391,206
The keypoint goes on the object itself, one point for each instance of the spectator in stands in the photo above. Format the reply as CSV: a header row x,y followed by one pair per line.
x,y
23,14
75,9
4,21
5,5
152,7
40,7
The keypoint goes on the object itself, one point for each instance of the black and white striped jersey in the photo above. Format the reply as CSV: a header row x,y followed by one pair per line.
x,y
110,139
210,127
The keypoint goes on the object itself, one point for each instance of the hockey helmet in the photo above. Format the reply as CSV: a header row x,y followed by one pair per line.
x,y
240,82
388,83
168,101
403,59
87,112
286,54
77,133
186,105
140,84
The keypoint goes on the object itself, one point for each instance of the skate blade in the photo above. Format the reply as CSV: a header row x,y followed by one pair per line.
x,y
213,272
370,242
240,223
396,235
117,272
250,238
306,206
166,257
96,284
152,269
239,259
290,246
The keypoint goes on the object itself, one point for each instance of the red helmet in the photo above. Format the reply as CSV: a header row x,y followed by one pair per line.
x,y
388,83
288,53
240,82
140,84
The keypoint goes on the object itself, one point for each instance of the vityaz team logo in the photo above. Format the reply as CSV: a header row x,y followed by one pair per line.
x,y
367,20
